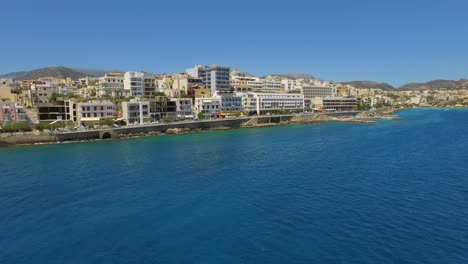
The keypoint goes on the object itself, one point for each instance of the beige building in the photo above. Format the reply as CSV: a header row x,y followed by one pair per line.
x,y
6,94
95,110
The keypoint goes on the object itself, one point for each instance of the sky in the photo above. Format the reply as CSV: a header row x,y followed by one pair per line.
x,y
393,41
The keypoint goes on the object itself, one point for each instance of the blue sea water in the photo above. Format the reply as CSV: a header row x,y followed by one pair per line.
x,y
393,192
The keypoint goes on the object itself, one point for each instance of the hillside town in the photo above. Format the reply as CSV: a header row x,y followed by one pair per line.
x,y
201,92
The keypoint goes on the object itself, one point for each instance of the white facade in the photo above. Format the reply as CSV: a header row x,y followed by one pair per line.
x,y
134,82
311,91
183,107
271,102
272,86
95,110
135,111
229,102
207,106
214,77
245,83
110,83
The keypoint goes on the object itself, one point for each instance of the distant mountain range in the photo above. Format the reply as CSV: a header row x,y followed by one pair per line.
x,y
369,85
56,72
431,85
75,73
437,84
294,76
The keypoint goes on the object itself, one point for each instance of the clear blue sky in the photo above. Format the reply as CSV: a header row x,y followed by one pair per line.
x,y
395,41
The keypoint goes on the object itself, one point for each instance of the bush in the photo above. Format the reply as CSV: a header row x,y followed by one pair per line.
x,y
106,122
17,127
44,125
201,115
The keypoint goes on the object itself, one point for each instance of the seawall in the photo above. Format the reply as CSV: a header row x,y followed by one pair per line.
x,y
176,128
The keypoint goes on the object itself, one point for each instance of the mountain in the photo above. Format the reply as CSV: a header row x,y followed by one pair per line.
x,y
57,72
13,75
369,85
92,72
294,76
436,85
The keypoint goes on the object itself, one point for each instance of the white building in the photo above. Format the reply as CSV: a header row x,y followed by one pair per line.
x,y
214,77
311,91
135,111
135,83
111,83
183,107
230,102
288,84
263,103
207,106
272,86
246,83
95,110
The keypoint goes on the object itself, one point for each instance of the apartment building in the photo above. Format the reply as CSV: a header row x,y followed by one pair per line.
x,y
11,112
135,111
183,107
95,110
135,83
111,83
262,103
214,77
310,91
208,106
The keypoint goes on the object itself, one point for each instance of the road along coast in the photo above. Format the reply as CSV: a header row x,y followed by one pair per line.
x,y
34,138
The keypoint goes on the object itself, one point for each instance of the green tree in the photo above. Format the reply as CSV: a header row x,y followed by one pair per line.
x,y
17,127
201,115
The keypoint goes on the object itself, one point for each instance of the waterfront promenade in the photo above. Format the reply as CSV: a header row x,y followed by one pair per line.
x,y
182,127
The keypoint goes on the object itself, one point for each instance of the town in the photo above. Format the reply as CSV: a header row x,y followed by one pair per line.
x,y
198,93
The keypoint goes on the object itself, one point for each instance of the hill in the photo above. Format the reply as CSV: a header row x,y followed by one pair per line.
x,y
436,85
294,76
13,75
57,72
369,85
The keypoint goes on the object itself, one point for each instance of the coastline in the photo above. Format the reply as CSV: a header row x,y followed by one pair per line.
x,y
180,128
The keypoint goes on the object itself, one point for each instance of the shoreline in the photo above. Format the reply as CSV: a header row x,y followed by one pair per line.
x,y
177,129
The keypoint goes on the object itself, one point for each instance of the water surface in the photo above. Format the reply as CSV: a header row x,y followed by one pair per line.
x,y
394,192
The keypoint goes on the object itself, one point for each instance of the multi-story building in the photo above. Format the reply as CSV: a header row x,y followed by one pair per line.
x,y
95,110
11,112
311,91
208,106
214,77
183,107
198,92
111,83
135,83
246,83
289,84
272,86
230,103
161,106
346,103
64,110
149,84
135,111
262,103
40,92
183,81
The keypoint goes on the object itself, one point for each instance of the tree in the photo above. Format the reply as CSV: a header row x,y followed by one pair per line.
x,y
201,115
17,127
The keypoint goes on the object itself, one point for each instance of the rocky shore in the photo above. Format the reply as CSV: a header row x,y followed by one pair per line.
x,y
178,129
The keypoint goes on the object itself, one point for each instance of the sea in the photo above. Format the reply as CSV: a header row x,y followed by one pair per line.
x,y
391,192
